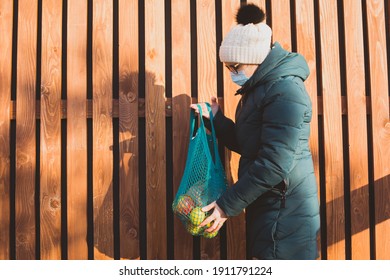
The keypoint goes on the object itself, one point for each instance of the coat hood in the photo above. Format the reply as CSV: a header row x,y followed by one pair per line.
x,y
279,63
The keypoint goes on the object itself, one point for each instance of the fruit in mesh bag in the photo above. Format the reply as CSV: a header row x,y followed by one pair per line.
x,y
197,193
184,205
193,229
210,234
197,216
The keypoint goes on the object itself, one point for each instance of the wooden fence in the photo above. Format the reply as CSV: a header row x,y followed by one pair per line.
x,y
95,98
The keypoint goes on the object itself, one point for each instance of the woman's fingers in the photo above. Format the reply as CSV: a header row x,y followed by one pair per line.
x,y
216,226
205,111
206,221
195,107
210,218
209,207
216,220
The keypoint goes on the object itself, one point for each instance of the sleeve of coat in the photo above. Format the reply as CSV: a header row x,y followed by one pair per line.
x,y
283,117
225,131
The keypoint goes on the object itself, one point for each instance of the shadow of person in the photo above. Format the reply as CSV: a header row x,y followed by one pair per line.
x,y
126,225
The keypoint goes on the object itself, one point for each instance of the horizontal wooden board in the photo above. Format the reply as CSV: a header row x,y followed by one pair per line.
x,y
88,107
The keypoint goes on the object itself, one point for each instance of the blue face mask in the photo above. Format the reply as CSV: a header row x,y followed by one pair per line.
x,y
240,78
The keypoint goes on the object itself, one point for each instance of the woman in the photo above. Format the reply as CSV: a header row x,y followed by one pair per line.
x,y
276,182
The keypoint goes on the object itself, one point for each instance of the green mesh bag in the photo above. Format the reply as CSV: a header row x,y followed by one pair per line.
x,y
204,178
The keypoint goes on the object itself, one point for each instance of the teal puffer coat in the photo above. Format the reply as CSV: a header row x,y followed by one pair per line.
x,y
276,182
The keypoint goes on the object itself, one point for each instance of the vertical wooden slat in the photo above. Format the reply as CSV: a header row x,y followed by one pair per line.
x,y
207,84
128,129
331,93
306,46
260,3
25,130
50,198
281,23
236,243
77,130
102,128
357,130
6,11
380,124
155,130
181,99
206,35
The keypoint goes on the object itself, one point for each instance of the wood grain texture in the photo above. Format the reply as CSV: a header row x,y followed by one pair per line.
x,y
181,99
50,180
88,107
6,18
260,3
331,92
25,130
236,239
357,130
306,45
102,128
281,23
77,130
207,85
128,130
329,105
380,124
155,130
206,36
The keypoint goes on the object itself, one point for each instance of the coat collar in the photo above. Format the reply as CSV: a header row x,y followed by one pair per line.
x,y
276,55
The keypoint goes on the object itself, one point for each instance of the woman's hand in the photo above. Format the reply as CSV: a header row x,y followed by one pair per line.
x,y
214,108
218,217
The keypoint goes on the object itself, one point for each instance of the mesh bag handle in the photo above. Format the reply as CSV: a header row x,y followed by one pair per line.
x,y
202,126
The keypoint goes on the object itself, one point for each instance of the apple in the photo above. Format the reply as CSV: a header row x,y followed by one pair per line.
x,y
184,205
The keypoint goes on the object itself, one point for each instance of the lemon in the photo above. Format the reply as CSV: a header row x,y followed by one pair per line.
x,y
193,229
210,234
197,216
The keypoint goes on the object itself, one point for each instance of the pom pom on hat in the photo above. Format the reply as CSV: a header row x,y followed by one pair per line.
x,y
250,14
249,42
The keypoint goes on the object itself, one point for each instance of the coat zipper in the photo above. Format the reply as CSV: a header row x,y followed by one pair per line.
x,y
283,204
283,193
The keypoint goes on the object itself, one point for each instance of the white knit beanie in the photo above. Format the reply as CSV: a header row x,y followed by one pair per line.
x,y
247,43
